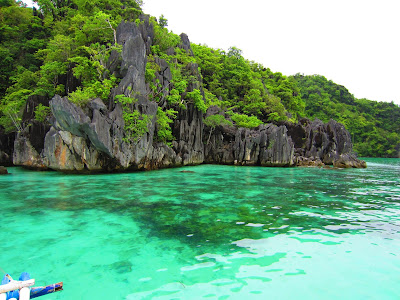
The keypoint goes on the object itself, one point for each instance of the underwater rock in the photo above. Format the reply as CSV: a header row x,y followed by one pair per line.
x,y
121,267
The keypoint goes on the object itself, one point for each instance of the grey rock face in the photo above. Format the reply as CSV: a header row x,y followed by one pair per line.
x,y
93,139
76,141
34,130
188,130
147,31
268,145
26,155
67,152
185,43
29,143
134,58
5,158
97,144
319,144
69,116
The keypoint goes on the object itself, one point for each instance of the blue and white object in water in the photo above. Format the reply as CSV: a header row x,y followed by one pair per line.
x,y
22,290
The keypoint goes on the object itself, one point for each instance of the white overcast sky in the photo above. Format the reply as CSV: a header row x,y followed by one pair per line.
x,y
355,43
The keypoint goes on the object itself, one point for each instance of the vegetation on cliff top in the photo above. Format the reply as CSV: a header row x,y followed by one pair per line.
x,y
42,49
374,126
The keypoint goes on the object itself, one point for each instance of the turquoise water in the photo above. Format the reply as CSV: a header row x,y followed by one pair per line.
x,y
221,232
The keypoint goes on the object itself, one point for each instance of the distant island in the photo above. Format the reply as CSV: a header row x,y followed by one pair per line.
x,y
103,88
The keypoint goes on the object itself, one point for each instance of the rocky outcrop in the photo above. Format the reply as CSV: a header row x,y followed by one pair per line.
x,y
25,154
318,144
268,145
93,139
303,144
29,143
77,142
3,170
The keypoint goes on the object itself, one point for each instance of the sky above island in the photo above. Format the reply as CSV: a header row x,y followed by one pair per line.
x,y
354,43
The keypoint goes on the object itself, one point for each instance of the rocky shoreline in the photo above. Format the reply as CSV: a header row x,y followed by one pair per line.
x,y
91,139
77,142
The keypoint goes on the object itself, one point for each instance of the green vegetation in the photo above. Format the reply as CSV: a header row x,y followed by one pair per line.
x,y
41,112
40,49
374,126
136,123
245,120
215,120
246,87
164,119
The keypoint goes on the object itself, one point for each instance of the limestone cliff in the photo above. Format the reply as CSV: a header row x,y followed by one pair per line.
x,y
92,138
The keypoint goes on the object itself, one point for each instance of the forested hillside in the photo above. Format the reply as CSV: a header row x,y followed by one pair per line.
x,y
70,48
374,126
63,41
247,87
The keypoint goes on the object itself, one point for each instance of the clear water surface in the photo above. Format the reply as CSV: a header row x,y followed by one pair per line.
x,y
216,232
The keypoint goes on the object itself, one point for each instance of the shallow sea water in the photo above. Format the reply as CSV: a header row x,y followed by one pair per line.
x,y
216,232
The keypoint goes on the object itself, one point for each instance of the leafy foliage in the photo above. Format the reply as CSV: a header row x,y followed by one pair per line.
x,y
247,87
163,38
136,123
163,21
213,121
197,99
164,119
22,34
42,112
216,120
245,120
184,87
374,126
39,48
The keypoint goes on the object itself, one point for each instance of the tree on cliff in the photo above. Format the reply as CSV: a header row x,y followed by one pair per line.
x,y
247,87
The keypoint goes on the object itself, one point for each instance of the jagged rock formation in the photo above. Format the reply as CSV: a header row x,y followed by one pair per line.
x,y
268,145
29,142
304,144
92,139
318,144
